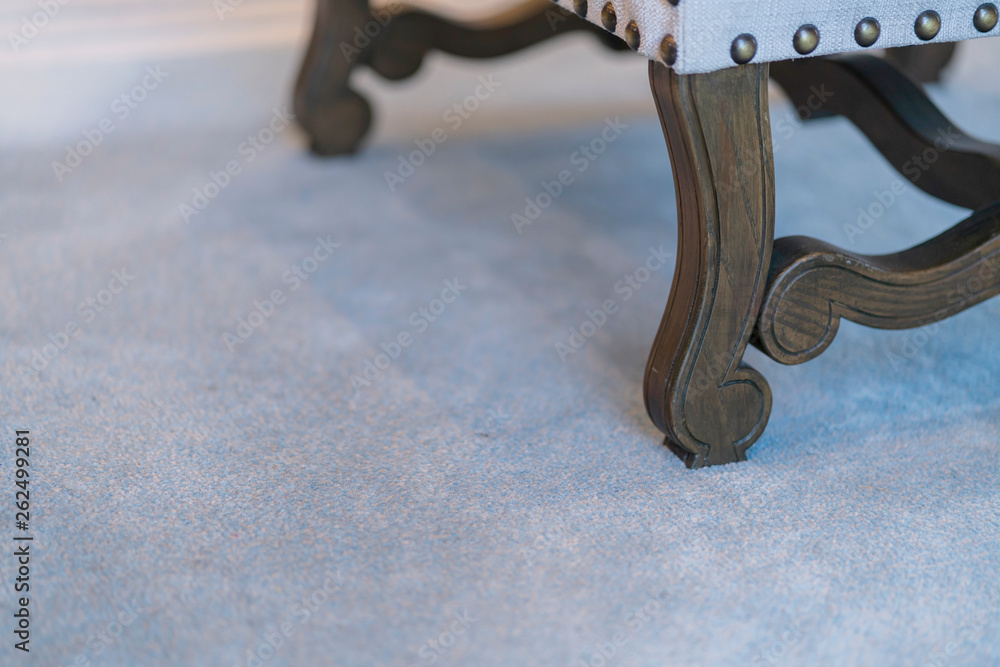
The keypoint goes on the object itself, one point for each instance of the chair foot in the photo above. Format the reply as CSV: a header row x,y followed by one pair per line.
x,y
338,126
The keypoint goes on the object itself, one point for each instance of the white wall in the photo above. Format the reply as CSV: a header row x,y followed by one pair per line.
x,y
91,51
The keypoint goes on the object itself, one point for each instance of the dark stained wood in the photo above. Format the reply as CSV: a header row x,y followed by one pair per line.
x,y
333,114
812,285
711,406
923,62
411,35
337,118
900,120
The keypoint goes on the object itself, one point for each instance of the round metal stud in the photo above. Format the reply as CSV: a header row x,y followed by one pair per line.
x,y
986,17
580,7
744,48
668,50
632,36
806,39
928,25
867,31
609,18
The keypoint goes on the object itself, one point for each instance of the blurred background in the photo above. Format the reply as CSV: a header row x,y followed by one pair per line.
x,y
92,50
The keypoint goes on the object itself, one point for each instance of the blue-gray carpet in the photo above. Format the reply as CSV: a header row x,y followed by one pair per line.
x,y
202,487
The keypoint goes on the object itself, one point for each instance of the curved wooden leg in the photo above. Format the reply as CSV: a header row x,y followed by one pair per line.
x,y
711,406
335,117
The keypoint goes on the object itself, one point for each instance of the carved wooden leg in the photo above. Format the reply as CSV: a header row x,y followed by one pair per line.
x,y
393,41
335,117
711,406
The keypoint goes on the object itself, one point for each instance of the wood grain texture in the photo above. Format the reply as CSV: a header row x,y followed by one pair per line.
x,y
812,285
337,118
711,406
900,120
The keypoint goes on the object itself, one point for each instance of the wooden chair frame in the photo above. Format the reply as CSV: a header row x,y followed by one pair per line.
x,y
734,284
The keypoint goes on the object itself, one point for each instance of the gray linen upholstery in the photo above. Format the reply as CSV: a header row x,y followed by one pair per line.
x,y
704,30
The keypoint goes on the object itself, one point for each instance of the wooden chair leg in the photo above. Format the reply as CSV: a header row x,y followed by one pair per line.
x,y
393,41
335,117
711,406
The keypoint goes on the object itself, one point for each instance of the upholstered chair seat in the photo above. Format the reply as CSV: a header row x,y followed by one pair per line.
x,y
695,36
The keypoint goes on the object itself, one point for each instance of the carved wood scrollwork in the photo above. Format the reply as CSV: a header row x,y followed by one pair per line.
x,y
712,406
812,285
